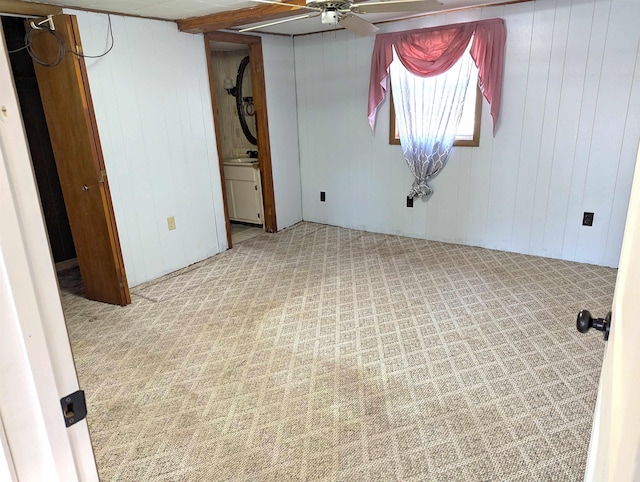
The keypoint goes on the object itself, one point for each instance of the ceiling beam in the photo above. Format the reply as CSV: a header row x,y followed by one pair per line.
x,y
17,7
242,16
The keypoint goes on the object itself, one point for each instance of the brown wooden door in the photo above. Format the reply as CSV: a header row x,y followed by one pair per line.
x,y
68,109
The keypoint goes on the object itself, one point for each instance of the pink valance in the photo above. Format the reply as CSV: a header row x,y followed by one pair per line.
x,y
431,51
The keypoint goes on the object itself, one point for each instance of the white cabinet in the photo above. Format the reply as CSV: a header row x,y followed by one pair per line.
x,y
244,192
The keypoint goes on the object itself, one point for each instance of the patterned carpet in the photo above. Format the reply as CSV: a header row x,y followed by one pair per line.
x,y
323,353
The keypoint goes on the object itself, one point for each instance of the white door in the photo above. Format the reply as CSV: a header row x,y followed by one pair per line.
x,y
614,452
36,366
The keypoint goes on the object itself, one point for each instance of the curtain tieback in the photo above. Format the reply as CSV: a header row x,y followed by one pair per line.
x,y
420,189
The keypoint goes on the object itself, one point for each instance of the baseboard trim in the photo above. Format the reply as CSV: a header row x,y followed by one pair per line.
x,y
66,264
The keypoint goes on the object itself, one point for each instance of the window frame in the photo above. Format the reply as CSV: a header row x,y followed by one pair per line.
x,y
473,142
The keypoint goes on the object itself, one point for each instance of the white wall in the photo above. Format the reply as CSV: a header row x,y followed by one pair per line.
x,y
153,108
280,84
566,141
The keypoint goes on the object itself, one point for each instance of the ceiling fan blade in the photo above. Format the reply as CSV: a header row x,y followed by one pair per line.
x,y
277,22
397,6
357,25
272,2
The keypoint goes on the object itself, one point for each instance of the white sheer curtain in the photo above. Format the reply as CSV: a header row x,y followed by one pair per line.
x,y
428,111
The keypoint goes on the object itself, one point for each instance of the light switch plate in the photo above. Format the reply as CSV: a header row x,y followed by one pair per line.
x,y
171,223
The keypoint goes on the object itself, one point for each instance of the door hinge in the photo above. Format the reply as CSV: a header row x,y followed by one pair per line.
x,y
74,408
103,175
78,49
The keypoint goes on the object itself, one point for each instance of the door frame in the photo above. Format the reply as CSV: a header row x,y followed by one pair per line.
x,y
256,62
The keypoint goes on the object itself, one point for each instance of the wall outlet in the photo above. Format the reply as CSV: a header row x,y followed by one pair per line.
x,y
409,202
322,196
587,219
171,223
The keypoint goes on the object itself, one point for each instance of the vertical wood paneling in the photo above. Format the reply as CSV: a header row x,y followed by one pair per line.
x,y
530,146
626,170
605,163
550,126
334,54
363,178
280,84
302,71
505,162
154,116
595,55
480,168
566,142
572,88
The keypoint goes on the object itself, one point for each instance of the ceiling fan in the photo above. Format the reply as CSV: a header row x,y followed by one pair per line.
x,y
343,12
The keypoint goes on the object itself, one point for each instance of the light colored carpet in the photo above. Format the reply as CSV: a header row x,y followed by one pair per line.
x,y
323,353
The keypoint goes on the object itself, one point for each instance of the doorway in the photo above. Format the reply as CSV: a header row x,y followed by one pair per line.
x,y
66,155
43,161
238,95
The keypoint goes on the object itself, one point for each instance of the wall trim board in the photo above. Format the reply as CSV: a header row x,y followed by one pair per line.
x,y
110,12
454,10
19,7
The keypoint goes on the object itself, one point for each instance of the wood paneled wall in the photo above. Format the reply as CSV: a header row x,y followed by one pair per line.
x,y
566,142
153,108
280,83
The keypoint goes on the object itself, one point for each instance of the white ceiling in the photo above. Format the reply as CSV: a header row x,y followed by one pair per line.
x,y
309,25
179,9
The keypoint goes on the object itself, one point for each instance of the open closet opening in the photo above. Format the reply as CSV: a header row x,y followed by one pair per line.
x,y
61,130
44,165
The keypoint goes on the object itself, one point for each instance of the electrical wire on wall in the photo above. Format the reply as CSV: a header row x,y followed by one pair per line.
x,y
62,47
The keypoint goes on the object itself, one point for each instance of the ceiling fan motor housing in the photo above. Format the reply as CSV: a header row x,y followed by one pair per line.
x,y
334,12
329,5
329,17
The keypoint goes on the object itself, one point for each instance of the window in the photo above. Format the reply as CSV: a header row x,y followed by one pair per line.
x,y
469,128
